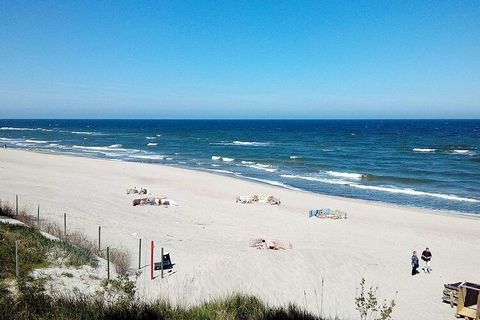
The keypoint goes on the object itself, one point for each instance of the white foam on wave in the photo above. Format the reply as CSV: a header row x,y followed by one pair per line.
x,y
150,138
227,159
317,179
345,175
83,132
295,157
151,144
148,157
461,151
242,143
36,141
53,145
250,143
264,167
87,148
248,162
388,189
423,150
414,192
273,183
224,171
17,129
215,165
115,146
216,157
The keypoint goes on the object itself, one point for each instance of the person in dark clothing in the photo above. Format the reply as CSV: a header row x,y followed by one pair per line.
x,y
427,257
414,263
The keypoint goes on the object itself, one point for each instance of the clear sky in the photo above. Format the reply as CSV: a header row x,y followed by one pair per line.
x,y
240,59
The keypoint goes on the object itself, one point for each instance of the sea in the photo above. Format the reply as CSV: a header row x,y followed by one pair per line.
x,y
432,164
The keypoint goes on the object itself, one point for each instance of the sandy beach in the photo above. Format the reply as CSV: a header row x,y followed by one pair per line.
x,y
207,235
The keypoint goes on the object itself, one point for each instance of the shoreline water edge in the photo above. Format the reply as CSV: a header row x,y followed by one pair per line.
x,y
422,164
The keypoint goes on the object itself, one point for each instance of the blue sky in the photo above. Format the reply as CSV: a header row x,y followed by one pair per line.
x,y
240,59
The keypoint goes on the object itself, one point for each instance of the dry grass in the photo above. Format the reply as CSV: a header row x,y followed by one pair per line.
x,y
119,257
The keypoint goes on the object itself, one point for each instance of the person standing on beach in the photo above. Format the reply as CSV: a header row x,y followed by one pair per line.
x,y
414,263
427,257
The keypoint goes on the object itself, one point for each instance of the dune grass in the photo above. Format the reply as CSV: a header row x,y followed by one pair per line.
x,y
39,306
35,251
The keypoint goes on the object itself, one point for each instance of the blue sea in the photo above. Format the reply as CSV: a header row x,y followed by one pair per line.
x,y
422,163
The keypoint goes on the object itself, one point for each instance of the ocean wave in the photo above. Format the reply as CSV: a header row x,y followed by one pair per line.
x,y
346,175
264,167
83,132
102,148
423,150
37,141
248,162
150,138
7,139
224,171
242,143
220,158
17,129
115,146
151,144
317,179
295,157
414,192
389,189
168,158
251,143
53,145
215,165
148,157
273,183
461,151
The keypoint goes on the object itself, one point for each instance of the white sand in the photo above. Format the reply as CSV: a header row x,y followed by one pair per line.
x,y
208,233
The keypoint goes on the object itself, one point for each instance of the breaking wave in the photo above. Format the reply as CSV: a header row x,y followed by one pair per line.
x,y
389,189
346,175
423,150
242,143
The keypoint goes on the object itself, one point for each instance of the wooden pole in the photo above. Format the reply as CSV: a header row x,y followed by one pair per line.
x,y
108,263
17,269
139,253
65,224
99,237
152,246
16,204
161,264
38,216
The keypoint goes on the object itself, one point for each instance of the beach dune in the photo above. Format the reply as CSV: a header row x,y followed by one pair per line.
x,y
208,233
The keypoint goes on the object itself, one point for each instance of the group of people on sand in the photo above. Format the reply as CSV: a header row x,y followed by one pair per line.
x,y
426,257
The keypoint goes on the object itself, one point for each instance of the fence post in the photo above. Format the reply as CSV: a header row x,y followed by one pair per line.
x,y
17,269
65,224
161,264
38,216
16,204
108,263
139,253
152,245
99,237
